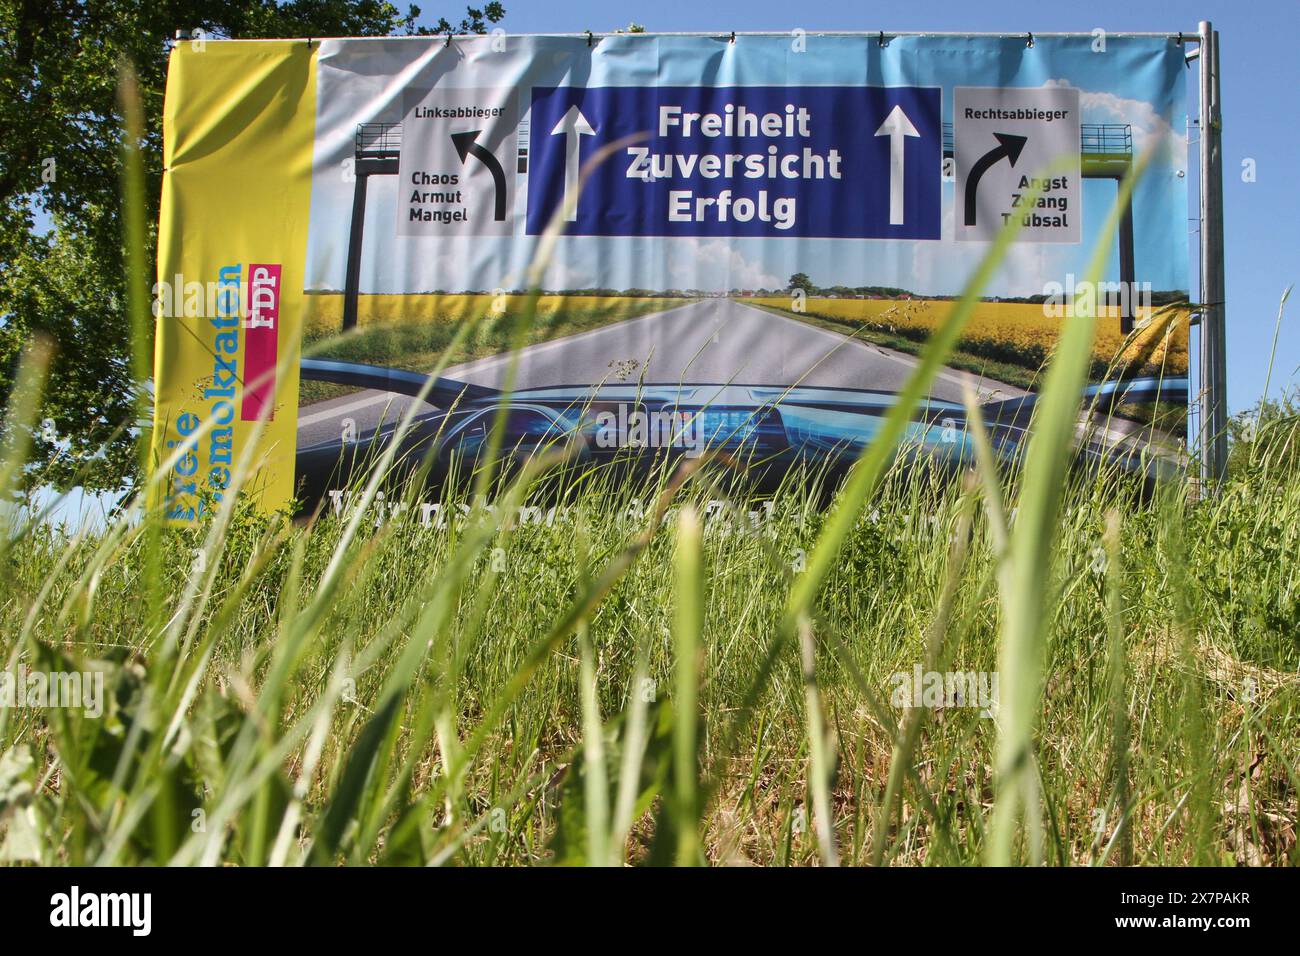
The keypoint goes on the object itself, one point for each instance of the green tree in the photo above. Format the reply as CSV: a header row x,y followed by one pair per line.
x,y
800,280
62,268
1267,433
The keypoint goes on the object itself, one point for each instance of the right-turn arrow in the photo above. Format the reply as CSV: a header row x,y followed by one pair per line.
x,y
1009,147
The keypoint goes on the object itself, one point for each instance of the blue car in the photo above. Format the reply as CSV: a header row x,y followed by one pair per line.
x,y
766,430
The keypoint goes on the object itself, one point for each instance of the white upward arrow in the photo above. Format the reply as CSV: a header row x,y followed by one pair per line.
x,y
896,126
572,125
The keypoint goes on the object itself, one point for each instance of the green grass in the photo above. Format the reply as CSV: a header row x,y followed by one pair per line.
x,y
644,676
280,714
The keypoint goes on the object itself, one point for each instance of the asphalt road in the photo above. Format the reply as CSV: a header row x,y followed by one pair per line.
x,y
713,341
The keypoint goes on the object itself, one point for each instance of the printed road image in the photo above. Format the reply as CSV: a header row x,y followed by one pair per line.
x,y
714,341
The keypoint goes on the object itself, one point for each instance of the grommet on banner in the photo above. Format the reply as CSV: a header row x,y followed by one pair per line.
x,y
589,38
448,39
733,37
1029,41
1179,38
881,40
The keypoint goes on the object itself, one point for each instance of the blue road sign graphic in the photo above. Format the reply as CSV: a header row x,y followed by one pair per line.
x,y
841,162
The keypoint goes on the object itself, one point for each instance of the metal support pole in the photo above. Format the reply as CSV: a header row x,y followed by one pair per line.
x,y
1127,270
352,279
1214,367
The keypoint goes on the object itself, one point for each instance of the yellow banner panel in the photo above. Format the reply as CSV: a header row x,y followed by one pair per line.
x,y
238,126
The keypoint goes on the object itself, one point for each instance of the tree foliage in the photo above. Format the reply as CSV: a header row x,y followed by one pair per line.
x,y
62,264
800,280
1267,434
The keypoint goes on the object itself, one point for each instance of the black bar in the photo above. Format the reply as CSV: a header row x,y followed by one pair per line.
x,y
254,907
353,278
1127,270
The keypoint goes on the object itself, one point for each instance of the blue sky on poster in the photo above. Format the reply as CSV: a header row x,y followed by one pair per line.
x,y
1260,77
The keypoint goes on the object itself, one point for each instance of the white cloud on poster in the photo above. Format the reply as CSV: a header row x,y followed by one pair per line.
x,y
1150,129
942,267
715,265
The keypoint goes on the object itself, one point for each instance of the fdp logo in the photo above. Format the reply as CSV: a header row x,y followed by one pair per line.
x,y
261,341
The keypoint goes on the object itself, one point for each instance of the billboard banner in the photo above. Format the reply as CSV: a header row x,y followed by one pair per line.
x,y
758,234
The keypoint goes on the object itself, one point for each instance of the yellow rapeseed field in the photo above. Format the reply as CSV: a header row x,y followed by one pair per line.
x,y
325,310
1015,332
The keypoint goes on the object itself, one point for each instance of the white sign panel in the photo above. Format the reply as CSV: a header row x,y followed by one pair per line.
x,y
1017,155
457,165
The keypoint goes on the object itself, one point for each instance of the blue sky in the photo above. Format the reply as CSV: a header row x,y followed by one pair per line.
x,y
1260,71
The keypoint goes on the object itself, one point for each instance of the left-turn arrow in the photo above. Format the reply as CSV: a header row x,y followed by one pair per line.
x,y
465,145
